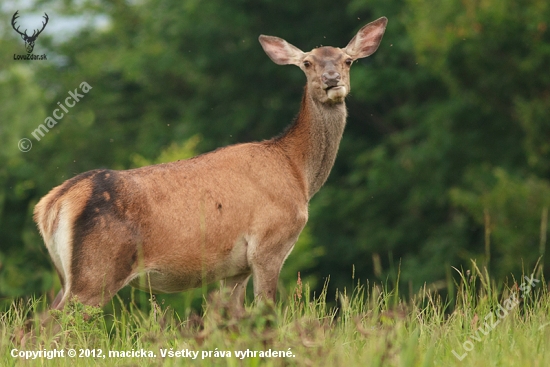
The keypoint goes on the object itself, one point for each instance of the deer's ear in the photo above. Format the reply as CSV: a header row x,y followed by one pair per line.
x,y
280,51
368,38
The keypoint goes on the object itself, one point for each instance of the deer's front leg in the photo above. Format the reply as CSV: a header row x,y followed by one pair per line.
x,y
266,267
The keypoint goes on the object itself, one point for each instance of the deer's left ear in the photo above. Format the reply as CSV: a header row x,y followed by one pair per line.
x,y
367,40
280,51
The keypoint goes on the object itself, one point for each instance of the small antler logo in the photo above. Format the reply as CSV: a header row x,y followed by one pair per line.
x,y
29,40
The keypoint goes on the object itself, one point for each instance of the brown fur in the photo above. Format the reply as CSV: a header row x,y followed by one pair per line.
x,y
227,214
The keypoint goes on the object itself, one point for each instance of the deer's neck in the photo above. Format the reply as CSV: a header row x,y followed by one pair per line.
x,y
312,142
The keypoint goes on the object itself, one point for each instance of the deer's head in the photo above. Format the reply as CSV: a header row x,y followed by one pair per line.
x,y
327,68
29,40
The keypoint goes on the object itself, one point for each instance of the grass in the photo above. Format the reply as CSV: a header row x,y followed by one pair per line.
x,y
480,324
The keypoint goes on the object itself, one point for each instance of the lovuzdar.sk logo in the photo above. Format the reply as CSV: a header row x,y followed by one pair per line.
x,y
29,40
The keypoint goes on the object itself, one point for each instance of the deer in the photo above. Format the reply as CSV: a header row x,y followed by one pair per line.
x,y
227,215
29,40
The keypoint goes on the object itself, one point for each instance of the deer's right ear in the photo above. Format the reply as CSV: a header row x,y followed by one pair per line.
x,y
280,51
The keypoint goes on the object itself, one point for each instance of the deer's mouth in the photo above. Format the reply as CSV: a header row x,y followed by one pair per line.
x,y
336,93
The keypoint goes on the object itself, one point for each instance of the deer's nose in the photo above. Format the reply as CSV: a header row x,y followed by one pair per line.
x,y
330,78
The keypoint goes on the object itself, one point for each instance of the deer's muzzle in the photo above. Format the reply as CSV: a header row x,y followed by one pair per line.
x,y
330,79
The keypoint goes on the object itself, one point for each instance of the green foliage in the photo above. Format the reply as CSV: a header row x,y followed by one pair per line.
x,y
174,152
515,212
470,96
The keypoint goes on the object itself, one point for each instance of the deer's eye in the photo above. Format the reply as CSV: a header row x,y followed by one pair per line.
x,y
307,64
349,62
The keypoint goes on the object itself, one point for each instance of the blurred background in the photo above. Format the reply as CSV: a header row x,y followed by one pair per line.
x,y
445,158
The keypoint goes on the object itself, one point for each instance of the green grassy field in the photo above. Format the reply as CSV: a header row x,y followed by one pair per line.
x,y
482,323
